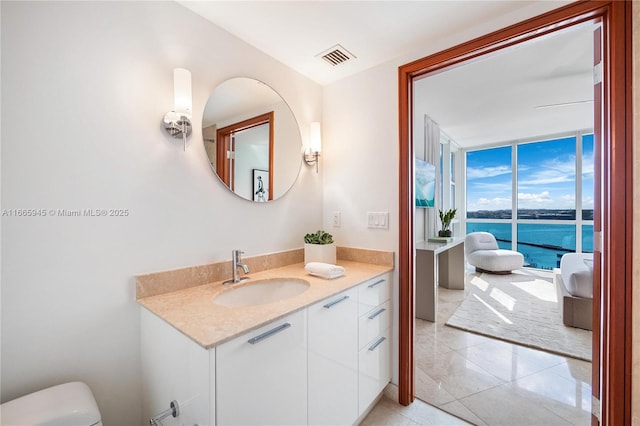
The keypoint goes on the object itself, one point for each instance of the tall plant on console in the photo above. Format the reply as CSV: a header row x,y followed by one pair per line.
x,y
445,219
319,247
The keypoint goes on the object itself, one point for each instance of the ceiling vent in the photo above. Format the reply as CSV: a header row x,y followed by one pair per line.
x,y
336,55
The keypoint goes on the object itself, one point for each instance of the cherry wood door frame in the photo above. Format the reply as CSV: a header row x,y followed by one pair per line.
x,y
614,375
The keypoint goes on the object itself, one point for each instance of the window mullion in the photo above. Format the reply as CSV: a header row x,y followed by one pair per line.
x,y
579,192
514,196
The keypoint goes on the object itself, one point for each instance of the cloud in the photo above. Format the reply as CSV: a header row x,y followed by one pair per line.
x,y
587,203
553,170
497,203
527,200
568,199
483,187
486,172
545,200
587,164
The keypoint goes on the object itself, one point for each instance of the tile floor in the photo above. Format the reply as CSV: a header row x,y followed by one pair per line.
x,y
390,413
487,381
491,382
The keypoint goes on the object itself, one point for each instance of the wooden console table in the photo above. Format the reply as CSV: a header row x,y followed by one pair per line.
x,y
449,272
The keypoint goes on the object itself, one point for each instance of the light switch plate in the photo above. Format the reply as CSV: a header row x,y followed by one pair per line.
x,y
378,220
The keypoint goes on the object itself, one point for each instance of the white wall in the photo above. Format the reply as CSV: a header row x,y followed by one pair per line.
x,y
84,88
360,144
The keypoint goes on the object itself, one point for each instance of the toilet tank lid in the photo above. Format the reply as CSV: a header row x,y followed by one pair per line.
x,y
69,404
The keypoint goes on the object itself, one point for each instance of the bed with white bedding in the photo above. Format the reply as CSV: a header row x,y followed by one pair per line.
x,y
574,284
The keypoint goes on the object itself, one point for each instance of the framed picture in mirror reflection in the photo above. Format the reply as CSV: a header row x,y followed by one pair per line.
x,y
260,185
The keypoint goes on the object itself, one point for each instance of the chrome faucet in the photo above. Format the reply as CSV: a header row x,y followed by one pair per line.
x,y
236,260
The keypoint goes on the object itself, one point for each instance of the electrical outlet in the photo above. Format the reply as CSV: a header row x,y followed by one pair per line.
x,y
336,219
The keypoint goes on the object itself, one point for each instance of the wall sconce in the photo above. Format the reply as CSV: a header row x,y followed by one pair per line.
x,y
178,121
312,153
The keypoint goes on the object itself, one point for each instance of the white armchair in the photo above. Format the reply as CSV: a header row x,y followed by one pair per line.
x,y
482,252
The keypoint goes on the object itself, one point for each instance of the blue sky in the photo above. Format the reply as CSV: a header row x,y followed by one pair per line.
x,y
546,176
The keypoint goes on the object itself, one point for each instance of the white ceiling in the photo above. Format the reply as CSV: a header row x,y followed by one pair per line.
x,y
295,32
489,101
541,88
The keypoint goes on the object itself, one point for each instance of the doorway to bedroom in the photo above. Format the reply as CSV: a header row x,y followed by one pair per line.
x,y
613,367
515,161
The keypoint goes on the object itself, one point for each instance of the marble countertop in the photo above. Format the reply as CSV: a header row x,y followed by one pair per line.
x,y
192,311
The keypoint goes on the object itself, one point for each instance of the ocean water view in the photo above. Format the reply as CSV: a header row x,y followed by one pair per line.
x,y
542,245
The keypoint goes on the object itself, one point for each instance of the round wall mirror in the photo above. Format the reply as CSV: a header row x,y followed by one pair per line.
x,y
252,139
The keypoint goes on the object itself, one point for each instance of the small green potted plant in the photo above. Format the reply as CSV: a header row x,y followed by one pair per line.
x,y
445,219
319,247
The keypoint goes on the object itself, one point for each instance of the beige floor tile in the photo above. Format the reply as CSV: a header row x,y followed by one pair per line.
x,y
568,398
455,338
430,347
427,415
458,409
504,405
574,369
417,413
510,362
384,414
457,375
448,295
445,310
429,390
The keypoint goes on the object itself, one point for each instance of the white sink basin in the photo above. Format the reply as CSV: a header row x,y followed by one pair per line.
x,y
261,292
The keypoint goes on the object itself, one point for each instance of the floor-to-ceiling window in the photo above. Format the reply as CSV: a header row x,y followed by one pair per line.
x,y
535,197
489,193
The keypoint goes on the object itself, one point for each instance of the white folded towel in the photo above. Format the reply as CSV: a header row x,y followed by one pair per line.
x,y
324,270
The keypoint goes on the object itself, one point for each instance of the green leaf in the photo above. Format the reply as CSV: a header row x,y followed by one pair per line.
x,y
320,237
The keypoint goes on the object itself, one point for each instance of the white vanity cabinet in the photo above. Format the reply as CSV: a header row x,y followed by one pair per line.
x,y
324,364
175,368
261,376
374,357
333,360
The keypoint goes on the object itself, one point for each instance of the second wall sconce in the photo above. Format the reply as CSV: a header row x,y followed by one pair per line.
x,y
312,153
178,121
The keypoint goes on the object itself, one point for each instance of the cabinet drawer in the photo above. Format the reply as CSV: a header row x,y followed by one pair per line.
x,y
373,323
374,370
374,292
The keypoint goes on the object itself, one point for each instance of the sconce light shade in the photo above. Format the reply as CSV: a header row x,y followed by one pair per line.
x,y
178,121
312,153
315,142
182,91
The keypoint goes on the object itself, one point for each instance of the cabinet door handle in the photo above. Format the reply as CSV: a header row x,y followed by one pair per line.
x,y
377,343
376,283
335,302
269,333
375,314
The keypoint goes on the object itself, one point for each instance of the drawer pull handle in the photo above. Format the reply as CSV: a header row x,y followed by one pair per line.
x,y
375,314
377,343
376,283
269,333
335,302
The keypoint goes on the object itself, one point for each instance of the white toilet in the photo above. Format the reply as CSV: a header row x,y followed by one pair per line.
x,y
69,404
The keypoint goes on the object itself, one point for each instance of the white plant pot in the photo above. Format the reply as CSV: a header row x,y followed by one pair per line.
x,y
325,253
